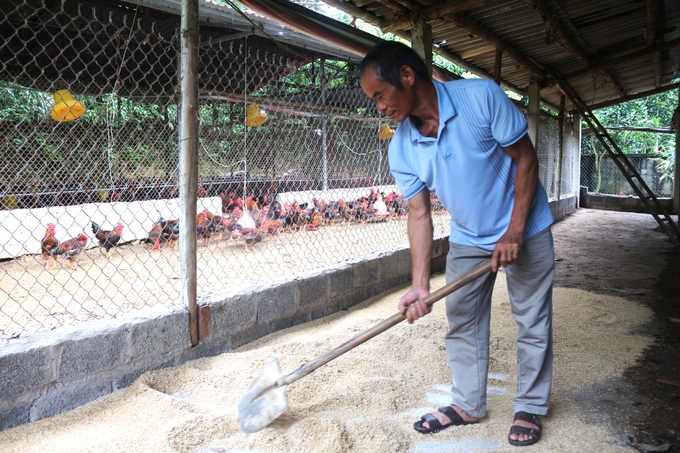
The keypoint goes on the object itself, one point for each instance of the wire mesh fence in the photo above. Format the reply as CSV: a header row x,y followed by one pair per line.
x,y
293,172
600,174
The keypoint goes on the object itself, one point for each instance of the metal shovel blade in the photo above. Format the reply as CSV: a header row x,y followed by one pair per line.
x,y
255,414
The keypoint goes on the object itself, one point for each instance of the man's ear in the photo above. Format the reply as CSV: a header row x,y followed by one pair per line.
x,y
407,75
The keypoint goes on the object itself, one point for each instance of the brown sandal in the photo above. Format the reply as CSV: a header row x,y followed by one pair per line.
x,y
535,433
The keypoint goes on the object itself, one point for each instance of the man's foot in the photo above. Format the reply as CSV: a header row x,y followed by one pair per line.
x,y
525,430
443,418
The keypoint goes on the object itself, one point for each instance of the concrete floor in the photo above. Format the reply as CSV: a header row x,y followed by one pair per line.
x,y
627,255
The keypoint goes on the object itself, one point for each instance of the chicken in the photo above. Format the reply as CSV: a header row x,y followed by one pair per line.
x,y
108,238
169,231
315,221
270,222
347,212
203,226
48,243
251,236
71,249
216,226
247,230
155,235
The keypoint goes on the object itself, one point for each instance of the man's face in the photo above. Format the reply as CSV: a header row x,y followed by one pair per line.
x,y
395,103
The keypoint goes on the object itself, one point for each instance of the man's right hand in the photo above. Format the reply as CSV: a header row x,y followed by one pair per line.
x,y
412,305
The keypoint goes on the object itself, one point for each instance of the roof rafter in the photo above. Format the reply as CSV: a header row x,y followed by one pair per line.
x,y
631,56
475,28
631,97
562,37
405,22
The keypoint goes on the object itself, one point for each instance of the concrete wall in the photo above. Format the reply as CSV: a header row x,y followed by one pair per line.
x,y
54,371
613,180
563,207
625,203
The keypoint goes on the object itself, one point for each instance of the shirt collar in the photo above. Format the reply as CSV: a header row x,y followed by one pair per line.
x,y
447,110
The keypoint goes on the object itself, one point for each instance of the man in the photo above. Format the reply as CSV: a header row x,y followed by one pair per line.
x,y
466,140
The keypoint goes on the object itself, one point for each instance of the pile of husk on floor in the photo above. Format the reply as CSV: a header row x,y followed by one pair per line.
x,y
365,400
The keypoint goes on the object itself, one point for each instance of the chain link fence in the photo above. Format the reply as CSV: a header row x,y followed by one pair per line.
x,y
293,172
557,168
290,165
600,174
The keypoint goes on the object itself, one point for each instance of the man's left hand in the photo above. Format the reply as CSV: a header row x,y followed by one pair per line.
x,y
507,250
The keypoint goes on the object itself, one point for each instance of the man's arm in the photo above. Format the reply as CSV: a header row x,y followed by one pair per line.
x,y
420,229
508,246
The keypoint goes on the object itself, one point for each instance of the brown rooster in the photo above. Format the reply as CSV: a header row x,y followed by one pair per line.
x,y
169,231
155,235
48,243
71,249
315,221
108,238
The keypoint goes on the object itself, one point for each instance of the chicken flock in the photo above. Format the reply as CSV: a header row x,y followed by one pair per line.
x,y
249,220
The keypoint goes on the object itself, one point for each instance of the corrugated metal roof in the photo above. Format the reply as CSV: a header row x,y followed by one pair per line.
x,y
601,47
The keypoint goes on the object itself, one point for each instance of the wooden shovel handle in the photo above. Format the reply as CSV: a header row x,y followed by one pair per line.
x,y
382,326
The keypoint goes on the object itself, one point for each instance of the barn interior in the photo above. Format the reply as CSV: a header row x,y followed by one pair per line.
x,y
563,58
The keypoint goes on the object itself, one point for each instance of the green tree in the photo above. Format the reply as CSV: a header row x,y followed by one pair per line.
x,y
650,112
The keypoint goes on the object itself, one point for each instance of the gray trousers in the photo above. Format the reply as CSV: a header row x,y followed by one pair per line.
x,y
529,281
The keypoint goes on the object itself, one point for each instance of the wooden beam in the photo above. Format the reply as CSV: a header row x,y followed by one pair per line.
x,y
630,97
655,130
354,11
631,56
562,37
475,28
395,6
478,51
406,21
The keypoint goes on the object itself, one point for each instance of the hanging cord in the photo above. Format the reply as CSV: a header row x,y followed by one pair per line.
x,y
355,152
110,137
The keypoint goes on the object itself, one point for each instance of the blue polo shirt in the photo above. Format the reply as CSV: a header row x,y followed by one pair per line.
x,y
473,177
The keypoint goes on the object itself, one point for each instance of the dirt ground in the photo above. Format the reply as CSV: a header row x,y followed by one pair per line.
x,y
626,255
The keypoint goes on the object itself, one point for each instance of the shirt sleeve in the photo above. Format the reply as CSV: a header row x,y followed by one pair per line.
x,y
407,181
508,124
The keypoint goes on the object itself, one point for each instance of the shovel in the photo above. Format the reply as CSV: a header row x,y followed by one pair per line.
x,y
266,399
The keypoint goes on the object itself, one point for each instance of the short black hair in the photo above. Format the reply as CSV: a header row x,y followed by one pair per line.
x,y
388,57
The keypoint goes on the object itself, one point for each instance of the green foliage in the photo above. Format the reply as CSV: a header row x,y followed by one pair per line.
x,y
653,111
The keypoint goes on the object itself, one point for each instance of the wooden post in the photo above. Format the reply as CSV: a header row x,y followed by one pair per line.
x,y
421,42
560,151
324,127
188,161
497,66
534,94
676,185
576,127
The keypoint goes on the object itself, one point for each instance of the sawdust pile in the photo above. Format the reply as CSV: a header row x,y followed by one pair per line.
x,y
365,400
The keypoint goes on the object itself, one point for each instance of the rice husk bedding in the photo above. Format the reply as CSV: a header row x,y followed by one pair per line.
x,y
365,400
